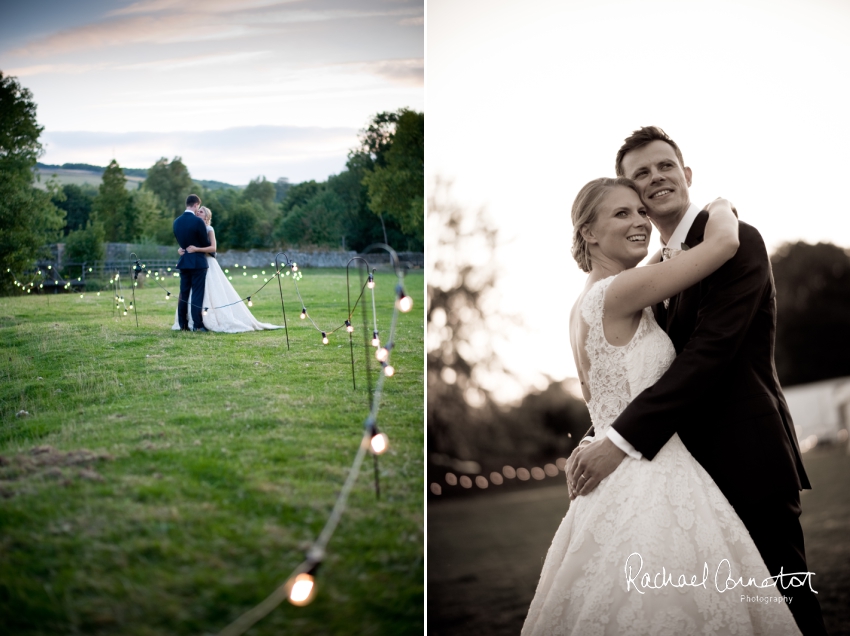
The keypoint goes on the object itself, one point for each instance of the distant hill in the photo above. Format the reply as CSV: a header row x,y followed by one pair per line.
x,y
80,173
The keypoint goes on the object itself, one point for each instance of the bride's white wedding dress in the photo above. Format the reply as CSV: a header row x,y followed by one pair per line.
x,y
668,510
234,318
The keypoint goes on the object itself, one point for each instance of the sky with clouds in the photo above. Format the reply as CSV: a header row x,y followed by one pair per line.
x,y
238,88
528,101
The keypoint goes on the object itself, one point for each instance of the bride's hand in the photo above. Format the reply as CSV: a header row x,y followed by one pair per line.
x,y
181,251
191,249
720,204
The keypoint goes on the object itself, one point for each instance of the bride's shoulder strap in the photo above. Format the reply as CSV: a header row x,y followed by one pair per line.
x,y
593,301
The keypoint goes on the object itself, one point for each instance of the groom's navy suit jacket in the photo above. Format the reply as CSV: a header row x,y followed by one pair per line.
x,y
722,394
191,230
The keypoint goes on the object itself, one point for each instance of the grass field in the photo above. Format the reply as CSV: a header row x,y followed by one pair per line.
x,y
166,482
80,177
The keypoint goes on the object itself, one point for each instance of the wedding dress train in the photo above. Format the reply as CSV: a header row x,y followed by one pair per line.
x,y
665,518
224,311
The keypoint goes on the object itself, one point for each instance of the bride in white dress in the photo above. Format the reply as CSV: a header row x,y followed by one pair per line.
x,y
664,517
225,312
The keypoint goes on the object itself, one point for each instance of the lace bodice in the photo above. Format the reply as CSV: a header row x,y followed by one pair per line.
x,y
618,374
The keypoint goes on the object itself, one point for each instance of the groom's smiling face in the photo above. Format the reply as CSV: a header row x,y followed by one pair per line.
x,y
663,182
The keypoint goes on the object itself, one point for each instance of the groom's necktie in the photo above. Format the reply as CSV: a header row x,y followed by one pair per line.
x,y
666,254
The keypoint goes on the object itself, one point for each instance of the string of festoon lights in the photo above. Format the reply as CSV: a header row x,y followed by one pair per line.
x,y
57,279
496,478
300,587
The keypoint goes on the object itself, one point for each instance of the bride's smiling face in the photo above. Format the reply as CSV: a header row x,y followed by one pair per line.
x,y
621,230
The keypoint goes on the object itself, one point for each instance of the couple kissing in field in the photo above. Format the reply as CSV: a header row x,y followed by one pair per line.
x,y
208,302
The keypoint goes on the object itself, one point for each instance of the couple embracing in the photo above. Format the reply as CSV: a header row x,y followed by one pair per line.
x,y
208,302
686,496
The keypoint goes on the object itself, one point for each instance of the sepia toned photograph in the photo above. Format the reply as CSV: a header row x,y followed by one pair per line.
x,y
638,287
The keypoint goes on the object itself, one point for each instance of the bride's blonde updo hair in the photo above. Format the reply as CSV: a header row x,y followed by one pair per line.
x,y
586,209
207,214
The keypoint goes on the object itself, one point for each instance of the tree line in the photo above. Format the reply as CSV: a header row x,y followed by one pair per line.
x,y
377,198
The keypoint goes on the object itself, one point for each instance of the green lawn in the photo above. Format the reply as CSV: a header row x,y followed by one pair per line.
x,y
166,482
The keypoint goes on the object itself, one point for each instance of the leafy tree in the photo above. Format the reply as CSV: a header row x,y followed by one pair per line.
x,y
280,187
813,312
170,182
465,426
112,206
263,193
360,227
28,218
317,222
396,188
301,193
77,204
152,223
238,228
377,138
85,245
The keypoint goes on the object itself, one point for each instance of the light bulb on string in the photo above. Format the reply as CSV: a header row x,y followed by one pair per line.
x,y
301,588
389,370
382,354
370,283
131,305
250,303
206,310
375,341
378,441
324,338
167,295
349,327
125,312
303,313
294,267
404,302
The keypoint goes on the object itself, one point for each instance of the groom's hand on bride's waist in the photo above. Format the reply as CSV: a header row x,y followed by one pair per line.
x,y
590,464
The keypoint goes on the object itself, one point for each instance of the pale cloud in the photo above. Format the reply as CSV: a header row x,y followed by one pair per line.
x,y
39,69
418,21
194,61
408,72
135,30
196,6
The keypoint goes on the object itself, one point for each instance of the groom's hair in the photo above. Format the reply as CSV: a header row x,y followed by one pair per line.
x,y
192,199
640,138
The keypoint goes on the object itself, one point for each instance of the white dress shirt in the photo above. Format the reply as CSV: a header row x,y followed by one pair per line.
x,y
676,239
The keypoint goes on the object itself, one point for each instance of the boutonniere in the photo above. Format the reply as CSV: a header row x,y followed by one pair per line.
x,y
685,247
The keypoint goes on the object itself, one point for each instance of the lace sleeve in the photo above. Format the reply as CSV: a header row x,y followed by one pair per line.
x,y
593,302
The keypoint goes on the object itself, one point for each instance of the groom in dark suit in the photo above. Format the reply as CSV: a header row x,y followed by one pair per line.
x,y
191,230
721,394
